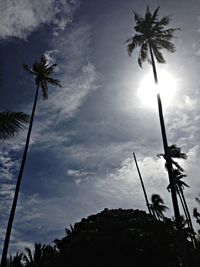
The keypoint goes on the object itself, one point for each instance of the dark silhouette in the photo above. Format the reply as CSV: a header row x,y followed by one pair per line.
x,y
11,123
111,238
43,256
119,238
196,215
42,71
158,207
179,184
142,183
151,36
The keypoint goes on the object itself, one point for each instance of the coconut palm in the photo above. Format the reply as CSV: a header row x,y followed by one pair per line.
x,y
157,206
16,261
179,184
44,255
11,123
152,36
41,71
196,215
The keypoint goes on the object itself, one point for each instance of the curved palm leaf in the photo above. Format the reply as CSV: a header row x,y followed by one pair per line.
x,y
11,123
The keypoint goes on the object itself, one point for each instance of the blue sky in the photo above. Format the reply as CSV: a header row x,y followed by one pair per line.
x,y
80,157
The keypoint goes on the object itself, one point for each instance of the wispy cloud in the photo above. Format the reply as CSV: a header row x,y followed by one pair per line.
x,y
18,18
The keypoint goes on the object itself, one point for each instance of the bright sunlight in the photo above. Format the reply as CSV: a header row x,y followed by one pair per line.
x,y
166,87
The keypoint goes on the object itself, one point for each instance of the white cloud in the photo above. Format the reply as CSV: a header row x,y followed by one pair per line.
x,y
18,18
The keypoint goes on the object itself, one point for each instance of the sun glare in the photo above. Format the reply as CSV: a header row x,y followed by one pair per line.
x,y
166,87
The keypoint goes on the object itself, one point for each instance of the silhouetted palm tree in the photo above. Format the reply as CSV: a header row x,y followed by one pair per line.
x,y
175,152
196,215
43,256
11,123
157,206
151,36
16,261
42,71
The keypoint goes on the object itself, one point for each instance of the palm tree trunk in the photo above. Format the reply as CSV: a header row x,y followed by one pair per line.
x,y
143,187
165,145
181,245
189,218
14,204
186,216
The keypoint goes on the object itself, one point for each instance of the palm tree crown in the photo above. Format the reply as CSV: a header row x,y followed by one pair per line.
x,y
158,206
151,34
42,70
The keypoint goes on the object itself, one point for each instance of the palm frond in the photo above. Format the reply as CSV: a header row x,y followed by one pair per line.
x,y
26,68
53,81
158,55
165,44
143,54
44,89
155,14
28,258
163,22
50,68
11,123
134,42
148,15
137,17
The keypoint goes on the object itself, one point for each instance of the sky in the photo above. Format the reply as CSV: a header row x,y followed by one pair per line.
x,y
80,156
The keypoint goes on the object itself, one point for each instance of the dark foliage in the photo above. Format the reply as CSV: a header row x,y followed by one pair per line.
x,y
118,238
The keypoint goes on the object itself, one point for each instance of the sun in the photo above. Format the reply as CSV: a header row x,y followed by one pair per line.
x,y
167,86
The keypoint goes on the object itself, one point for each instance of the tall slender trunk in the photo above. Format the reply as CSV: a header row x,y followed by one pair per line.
x,y
188,217
14,204
181,245
143,187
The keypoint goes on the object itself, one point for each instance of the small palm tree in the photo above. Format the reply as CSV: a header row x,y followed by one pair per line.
x,y
157,206
41,71
196,215
151,36
43,256
16,261
11,123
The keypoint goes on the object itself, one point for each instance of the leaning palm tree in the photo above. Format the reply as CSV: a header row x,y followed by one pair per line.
x,y
11,123
41,71
157,206
151,36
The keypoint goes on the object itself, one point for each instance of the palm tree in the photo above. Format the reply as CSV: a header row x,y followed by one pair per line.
x,y
196,215
151,36
16,261
42,71
157,206
11,123
179,184
142,183
44,255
